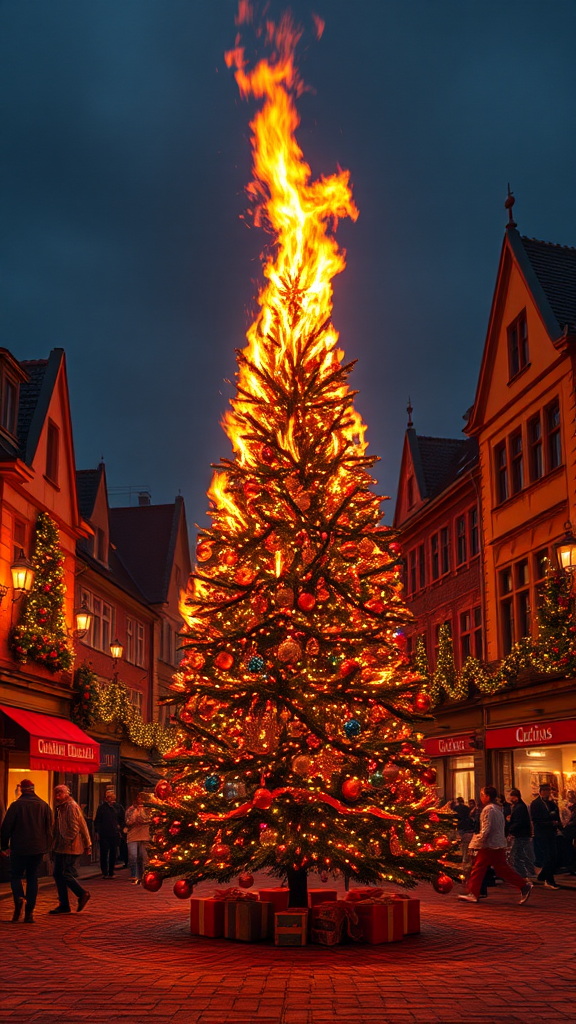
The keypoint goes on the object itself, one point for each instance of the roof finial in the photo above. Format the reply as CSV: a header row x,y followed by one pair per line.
x,y
409,410
509,203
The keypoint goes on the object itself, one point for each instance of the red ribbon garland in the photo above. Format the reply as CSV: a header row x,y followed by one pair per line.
x,y
305,794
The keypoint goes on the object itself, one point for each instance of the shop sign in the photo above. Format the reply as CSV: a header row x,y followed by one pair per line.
x,y
40,747
447,746
533,734
108,757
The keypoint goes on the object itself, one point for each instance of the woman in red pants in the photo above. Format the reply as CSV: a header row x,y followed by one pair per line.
x,y
490,843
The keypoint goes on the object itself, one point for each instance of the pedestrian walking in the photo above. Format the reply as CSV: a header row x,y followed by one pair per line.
x,y
464,826
474,814
108,825
137,836
490,842
27,829
546,821
519,828
70,839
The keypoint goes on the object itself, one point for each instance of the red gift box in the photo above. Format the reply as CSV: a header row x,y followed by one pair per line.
x,y
207,917
248,920
291,927
278,896
410,913
381,922
317,896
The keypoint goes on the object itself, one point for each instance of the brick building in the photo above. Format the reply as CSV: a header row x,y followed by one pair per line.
x,y
482,516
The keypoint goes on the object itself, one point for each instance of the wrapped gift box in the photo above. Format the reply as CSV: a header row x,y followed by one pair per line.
x,y
207,917
317,896
248,920
381,922
410,913
278,896
330,921
291,927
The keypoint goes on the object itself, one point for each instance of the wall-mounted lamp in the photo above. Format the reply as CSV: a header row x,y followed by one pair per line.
x,y
83,618
566,550
22,576
116,650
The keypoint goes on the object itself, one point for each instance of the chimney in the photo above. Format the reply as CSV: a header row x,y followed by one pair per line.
x,y
144,498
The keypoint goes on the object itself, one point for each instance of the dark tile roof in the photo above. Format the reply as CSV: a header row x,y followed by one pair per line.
x,y
115,572
87,481
443,459
144,537
29,395
555,268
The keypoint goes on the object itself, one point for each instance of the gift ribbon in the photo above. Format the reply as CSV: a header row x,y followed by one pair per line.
x,y
304,794
234,894
337,911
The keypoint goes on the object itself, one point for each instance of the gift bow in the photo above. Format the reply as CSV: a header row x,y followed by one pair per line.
x,y
234,894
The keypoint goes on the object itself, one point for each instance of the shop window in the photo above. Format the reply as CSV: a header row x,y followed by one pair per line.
x,y
474,538
535,441
461,540
501,471
19,537
421,566
412,572
435,556
445,549
52,452
553,435
462,772
517,461
518,356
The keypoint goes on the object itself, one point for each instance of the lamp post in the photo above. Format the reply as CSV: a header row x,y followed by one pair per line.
x,y
22,576
566,550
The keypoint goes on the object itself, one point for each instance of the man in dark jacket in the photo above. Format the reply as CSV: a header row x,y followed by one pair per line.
x,y
27,829
519,827
108,825
546,820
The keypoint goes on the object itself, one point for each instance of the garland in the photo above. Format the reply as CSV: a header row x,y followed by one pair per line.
x,y
553,652
108,702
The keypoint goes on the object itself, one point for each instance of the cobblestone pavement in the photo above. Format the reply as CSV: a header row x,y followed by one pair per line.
x,y
129,958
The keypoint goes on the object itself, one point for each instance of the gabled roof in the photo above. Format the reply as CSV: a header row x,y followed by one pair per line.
x,y
87,482
555,268
145,539
35,396
442,460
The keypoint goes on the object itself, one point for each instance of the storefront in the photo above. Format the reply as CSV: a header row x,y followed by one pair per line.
x,y
42,748
528,754
454,761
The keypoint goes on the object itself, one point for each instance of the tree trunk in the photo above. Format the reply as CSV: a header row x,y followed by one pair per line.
x,y
298,883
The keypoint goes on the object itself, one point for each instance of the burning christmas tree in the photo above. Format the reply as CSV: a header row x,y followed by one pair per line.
x,y
297,706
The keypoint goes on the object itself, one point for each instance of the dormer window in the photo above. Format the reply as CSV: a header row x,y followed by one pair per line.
x,y
518,355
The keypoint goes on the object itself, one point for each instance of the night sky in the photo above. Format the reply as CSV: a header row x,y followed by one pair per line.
x,y
124,157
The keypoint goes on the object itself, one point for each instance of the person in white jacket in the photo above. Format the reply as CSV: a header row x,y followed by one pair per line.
x,y
490,842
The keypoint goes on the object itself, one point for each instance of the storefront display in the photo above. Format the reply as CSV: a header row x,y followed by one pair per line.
x,y
537,752
453,759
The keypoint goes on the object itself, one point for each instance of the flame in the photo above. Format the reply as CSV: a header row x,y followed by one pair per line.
x,y
302,215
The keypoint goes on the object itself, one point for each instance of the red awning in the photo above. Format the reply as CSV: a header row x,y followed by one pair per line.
x,y
56,744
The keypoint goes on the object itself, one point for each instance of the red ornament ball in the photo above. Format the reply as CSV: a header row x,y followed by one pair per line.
x,y
246,880
306,602
262,799
391,772
347,667
443,884
349,549
220,851
422,703
224,660
183,889
152,881
163,789
204,551
267,454
351,789
429,776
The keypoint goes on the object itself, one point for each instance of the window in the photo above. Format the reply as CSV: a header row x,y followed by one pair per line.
x,y
137,699
19,537
435,556
517,345
460,540
9,405
140,660
471,634
421,566
524,616
474,538
478,640
135,643
553,435
501,465
130,641
52,444
412,572
535,442
517,460
100,633
541,564
445,549
515,604
410,491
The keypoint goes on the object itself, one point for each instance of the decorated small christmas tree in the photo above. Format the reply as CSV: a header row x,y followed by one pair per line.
x,y
41,635
299,713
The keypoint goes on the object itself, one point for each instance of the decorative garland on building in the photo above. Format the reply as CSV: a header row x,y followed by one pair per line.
x,y
553,652
109,702
41,634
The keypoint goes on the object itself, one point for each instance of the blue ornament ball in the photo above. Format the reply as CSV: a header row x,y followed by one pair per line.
x,y
352,728
256,664
212,783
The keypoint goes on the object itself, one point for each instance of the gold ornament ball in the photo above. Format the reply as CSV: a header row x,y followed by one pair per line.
x,y
301,764
289,650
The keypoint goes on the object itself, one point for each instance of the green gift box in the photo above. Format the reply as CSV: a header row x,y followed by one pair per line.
x,y
248,920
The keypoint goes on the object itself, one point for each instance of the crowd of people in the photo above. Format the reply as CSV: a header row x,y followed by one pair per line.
x,y
509,840
30,830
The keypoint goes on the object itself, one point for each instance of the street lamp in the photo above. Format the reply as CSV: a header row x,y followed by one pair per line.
x,y
116,650
83,617
566,550
22,575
